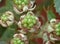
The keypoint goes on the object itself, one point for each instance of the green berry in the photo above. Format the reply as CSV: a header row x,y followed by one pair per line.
x,y
58,26
34,21
29,21
25,0
25,20
57,33
25,25
30,25
16,2
19,6
20,3
58,29
4,17
17,41
23,3
22,42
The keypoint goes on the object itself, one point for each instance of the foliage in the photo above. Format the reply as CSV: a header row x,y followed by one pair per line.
x,y
7,33
57,5
50,15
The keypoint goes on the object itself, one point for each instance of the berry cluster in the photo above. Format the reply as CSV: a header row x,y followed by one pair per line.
x,y
29,21
17,41
58,29
21,3
4,17
7,19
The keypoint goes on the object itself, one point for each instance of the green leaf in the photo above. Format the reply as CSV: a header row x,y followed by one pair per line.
x,y
47,3
3,42
2,30
8,34
7,7
0,0
50,15
57,5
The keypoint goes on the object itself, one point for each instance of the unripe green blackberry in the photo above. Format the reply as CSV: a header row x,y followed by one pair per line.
x,y
4,17
21,2
29,21
17,41
58,29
